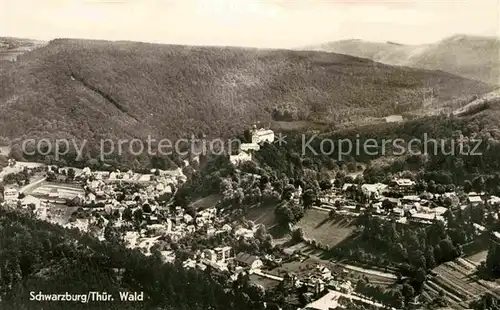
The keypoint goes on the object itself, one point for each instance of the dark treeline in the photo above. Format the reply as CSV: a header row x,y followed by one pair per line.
x,y
38,256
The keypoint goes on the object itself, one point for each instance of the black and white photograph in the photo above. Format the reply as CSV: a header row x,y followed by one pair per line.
x,y
249,154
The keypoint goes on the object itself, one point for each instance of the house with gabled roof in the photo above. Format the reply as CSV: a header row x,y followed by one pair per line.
x,y
248,260
474,200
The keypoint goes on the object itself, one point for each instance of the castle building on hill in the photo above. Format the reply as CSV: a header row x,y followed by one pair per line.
x,y
262,135
259,136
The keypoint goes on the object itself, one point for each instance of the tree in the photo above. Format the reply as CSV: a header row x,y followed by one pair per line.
x,y
408,291
111,233
467,186
478,184
429,257
127,215
431,186
487,302
146,208
71,174
387,204
447,249
284,214
308,198
420,275
298,235
332,213
493,260
138,216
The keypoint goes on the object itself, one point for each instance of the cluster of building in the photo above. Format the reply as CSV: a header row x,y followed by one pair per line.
x,y
258,136
157,183
410,208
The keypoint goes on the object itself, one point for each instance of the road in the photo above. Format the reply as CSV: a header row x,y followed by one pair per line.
x,y
33,184
370,271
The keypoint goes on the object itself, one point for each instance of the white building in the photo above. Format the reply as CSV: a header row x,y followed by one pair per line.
x,y
223,253
394,118
404,182
249,147
262,135
327,302
494,200
475,200
31,200
10,194
241,157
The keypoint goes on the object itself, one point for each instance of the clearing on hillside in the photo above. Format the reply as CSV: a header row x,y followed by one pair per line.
x,y
318,226
206,202
262,215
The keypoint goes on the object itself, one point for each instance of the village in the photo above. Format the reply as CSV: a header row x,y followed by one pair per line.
x,y
140,212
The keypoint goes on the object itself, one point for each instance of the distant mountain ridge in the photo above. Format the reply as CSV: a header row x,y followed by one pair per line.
x,y
10,47
473,57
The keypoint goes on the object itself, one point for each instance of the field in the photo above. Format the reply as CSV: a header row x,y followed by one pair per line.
x,y
317,225
206,202
262,215
297,125
265,282
459,282
64,191
477,258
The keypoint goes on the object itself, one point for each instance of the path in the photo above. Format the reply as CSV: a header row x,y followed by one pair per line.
x,y
370,271
28,186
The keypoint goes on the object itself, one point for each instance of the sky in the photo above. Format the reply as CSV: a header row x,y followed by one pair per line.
x,y
255,23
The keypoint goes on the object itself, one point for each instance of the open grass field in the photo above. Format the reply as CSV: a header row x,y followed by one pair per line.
x,y
206,202
317,225
64,191
478,257
302,268
262,215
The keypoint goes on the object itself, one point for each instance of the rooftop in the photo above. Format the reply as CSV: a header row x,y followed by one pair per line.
x,y
475,199
245,258
327,302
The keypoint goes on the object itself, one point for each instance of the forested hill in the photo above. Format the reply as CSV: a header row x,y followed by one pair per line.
x,y
474,57
40,257
94,89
